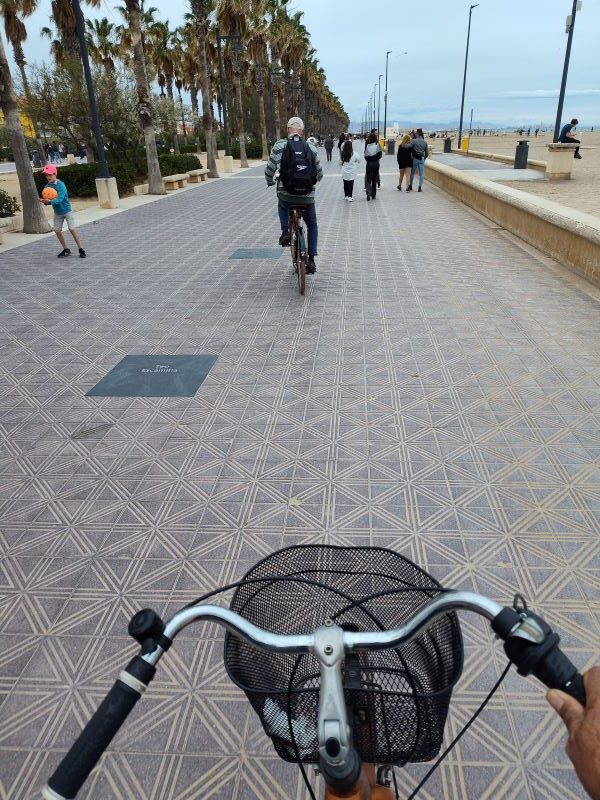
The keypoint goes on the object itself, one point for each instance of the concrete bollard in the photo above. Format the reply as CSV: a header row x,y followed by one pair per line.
x,y
108,194
228,164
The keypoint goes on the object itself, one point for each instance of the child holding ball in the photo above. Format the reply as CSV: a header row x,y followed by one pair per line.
x,y
62,210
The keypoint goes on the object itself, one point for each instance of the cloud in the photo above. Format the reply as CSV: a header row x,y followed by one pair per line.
x,y
534,93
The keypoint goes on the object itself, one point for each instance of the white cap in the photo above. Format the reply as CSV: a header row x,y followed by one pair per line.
x,y
295,123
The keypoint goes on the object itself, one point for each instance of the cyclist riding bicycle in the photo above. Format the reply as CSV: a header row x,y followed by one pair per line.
x,y
299,169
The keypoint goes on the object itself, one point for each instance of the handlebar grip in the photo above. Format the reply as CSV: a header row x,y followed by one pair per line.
x,y
74,769
557,671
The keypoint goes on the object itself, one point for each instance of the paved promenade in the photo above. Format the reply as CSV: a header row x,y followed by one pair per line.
x,y
437,392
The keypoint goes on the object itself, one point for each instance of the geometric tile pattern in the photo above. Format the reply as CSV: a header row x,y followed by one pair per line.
x,y
154,376
436,391
257,252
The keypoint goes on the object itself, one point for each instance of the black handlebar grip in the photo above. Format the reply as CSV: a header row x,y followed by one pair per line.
x,y
73,770
557,671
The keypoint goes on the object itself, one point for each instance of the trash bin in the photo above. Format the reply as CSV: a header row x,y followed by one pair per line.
x,y
521,154
391,147
464,145
447,145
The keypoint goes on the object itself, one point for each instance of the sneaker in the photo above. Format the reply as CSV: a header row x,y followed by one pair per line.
x,y
64,253
368,197
284,239
577,155
409,188
419,189
399,187
311,267
349,199
82,253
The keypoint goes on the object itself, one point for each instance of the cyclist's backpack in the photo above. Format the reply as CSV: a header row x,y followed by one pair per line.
x,y
298,168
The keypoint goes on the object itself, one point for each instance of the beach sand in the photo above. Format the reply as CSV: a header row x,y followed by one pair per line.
x,y
582,192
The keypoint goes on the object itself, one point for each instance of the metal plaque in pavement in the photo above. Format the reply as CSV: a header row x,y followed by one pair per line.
x,y
155,376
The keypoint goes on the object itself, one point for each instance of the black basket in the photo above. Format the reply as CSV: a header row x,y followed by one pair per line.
x,y
399,709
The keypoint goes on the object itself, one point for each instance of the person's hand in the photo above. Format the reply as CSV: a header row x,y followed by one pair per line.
x,y
45,202
583,724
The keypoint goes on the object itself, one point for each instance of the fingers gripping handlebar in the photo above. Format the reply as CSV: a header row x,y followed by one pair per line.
x,y
532,646
528,641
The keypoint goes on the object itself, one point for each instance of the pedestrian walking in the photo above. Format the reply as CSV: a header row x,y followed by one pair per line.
x,y
372,157
349,161
404,158
63,211
567,136
341,141
329,145
419,154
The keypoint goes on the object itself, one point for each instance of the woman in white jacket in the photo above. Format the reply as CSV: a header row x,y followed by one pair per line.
x,y
349,161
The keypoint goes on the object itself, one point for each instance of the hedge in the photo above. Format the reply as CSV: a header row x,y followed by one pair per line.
x,y
172,164
80,179
253,149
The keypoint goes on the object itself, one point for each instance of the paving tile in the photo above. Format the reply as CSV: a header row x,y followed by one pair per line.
x,y
434,394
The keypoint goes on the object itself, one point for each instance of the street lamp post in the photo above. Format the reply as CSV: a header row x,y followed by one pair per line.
x,y
387,55
563,85
379,105
85,60
374,103
462,102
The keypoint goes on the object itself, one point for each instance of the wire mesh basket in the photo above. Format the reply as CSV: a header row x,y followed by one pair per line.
x,y
400,699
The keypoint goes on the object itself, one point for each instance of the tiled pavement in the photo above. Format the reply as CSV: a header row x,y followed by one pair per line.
x,y
437,392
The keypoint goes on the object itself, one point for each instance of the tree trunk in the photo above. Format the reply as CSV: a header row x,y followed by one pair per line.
x,y
20,62
34,218
282,114
276,113
144,102
194,101
90,150
200,11
263,126
239,112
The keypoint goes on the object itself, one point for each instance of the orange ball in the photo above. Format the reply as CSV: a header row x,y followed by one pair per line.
x,y
49,193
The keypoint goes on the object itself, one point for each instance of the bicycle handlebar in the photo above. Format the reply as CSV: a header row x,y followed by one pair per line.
x,y
529,643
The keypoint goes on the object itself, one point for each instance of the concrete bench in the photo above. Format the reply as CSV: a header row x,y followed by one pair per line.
x,y
141,188
197,175
560,161
175,181
5,225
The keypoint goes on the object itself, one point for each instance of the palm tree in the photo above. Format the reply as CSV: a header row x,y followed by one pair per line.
x,y
34,218
16,33
256,44
67,53
189,66
232,16
103,47
144,98
201,10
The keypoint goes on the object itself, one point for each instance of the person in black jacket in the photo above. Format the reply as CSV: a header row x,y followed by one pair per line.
x,y
404,158
372,157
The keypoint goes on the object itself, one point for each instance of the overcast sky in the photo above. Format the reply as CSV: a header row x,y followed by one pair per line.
x,y
515,60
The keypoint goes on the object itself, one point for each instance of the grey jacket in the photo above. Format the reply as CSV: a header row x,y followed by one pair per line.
x,y
420,148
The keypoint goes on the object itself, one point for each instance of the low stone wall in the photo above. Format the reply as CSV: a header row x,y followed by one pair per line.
x,y
532,163
569,236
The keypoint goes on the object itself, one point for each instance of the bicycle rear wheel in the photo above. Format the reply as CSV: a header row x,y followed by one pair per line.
x,y
301,260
